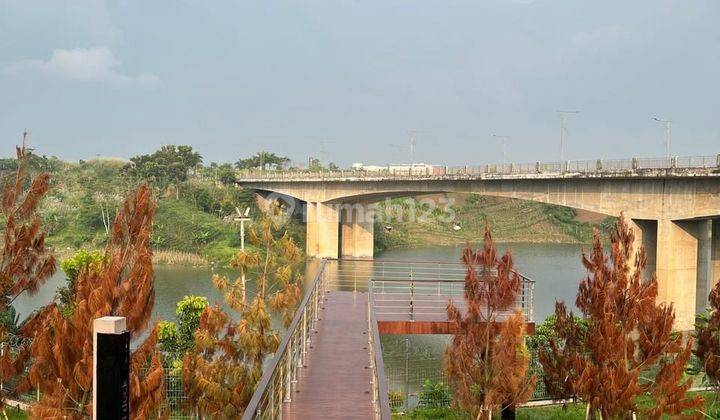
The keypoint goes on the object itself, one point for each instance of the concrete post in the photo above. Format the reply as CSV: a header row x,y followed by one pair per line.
x,y
715,252
311,232
704,265
347,231
326,222
111,368
364,232
645,232
677,253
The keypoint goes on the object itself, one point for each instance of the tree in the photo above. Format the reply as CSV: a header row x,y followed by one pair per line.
x,y
226,174
222,370
629,348
487,362
168,165
122,285
26,262
263,160
708,340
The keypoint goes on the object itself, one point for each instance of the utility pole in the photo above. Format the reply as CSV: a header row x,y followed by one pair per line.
x,y
323,156
504,140
563,130
668,133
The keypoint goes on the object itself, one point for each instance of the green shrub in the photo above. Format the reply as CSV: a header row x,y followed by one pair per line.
x,y
434,395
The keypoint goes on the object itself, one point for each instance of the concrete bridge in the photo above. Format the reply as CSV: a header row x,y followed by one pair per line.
x,y
674,206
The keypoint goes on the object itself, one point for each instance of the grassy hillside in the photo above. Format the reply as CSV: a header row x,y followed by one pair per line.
x,y
194,221
510,221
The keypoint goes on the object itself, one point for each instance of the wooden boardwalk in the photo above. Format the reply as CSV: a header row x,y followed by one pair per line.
x,y
336,381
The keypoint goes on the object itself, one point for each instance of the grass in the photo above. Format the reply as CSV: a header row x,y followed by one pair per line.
x,y
511,221
550,412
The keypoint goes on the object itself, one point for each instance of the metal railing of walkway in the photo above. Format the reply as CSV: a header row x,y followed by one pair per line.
x,y
678,165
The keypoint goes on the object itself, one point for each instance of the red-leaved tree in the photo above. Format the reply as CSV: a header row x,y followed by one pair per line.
x,y
26,262
122,285
708,340
629,349
487,363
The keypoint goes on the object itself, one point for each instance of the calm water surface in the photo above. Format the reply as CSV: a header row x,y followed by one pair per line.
x,y
556,269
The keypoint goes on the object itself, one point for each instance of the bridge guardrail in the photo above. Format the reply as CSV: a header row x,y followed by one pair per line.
x,y
580,167
276,385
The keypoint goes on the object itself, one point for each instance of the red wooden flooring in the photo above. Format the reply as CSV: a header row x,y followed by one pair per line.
x,y
335,384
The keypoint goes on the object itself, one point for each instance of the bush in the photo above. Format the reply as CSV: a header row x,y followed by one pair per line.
x,y
175,339
434,395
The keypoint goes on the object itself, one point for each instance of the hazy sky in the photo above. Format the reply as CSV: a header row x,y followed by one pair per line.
x,y
122,77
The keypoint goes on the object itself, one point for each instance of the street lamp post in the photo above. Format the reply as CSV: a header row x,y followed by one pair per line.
x,y
242,218
504,140
668,133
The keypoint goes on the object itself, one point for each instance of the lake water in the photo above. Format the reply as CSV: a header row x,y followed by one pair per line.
x,y
556,269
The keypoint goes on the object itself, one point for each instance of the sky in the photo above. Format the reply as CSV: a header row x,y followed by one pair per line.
x,y
354,80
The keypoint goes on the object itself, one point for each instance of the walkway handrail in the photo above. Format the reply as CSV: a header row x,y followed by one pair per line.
x,y
380,389
416,298
492,171
275,386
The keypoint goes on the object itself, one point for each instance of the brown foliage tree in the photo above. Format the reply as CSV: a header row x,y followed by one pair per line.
x,y
222,370
26,262
487,363
121,286
708,340
629,348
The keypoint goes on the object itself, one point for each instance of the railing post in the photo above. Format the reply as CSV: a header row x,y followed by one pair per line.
x,y
673,162
304,340
717,160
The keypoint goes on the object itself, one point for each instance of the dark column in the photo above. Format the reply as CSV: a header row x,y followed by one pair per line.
x,y
111,369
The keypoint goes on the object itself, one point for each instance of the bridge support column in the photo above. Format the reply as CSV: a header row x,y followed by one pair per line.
x,y
646,232
715,252
357,227
677,258
322,230
704,264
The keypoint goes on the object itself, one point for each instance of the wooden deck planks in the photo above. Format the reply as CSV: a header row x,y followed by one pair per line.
x,y
336,384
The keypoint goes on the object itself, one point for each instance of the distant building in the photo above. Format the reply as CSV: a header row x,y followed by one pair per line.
x,y
401,168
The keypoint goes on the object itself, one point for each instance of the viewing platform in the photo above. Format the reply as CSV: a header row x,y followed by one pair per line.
x,y
329,363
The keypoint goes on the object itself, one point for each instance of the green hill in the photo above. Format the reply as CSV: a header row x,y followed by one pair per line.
x,y
510,220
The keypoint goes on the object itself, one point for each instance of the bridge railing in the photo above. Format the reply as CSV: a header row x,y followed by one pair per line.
x,y
380,388
423,299
600,166
276,385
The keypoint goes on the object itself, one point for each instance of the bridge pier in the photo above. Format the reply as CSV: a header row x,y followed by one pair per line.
x,y
321,230
704,264
677,270
715,252
357,230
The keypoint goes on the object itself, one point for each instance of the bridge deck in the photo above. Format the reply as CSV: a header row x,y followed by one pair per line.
x,y
336,384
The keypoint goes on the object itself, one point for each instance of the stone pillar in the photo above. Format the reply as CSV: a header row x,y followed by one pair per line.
x,y
364,233
715,251
326,225
347,222
646,235
311,232
704,265
357,224
677,253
